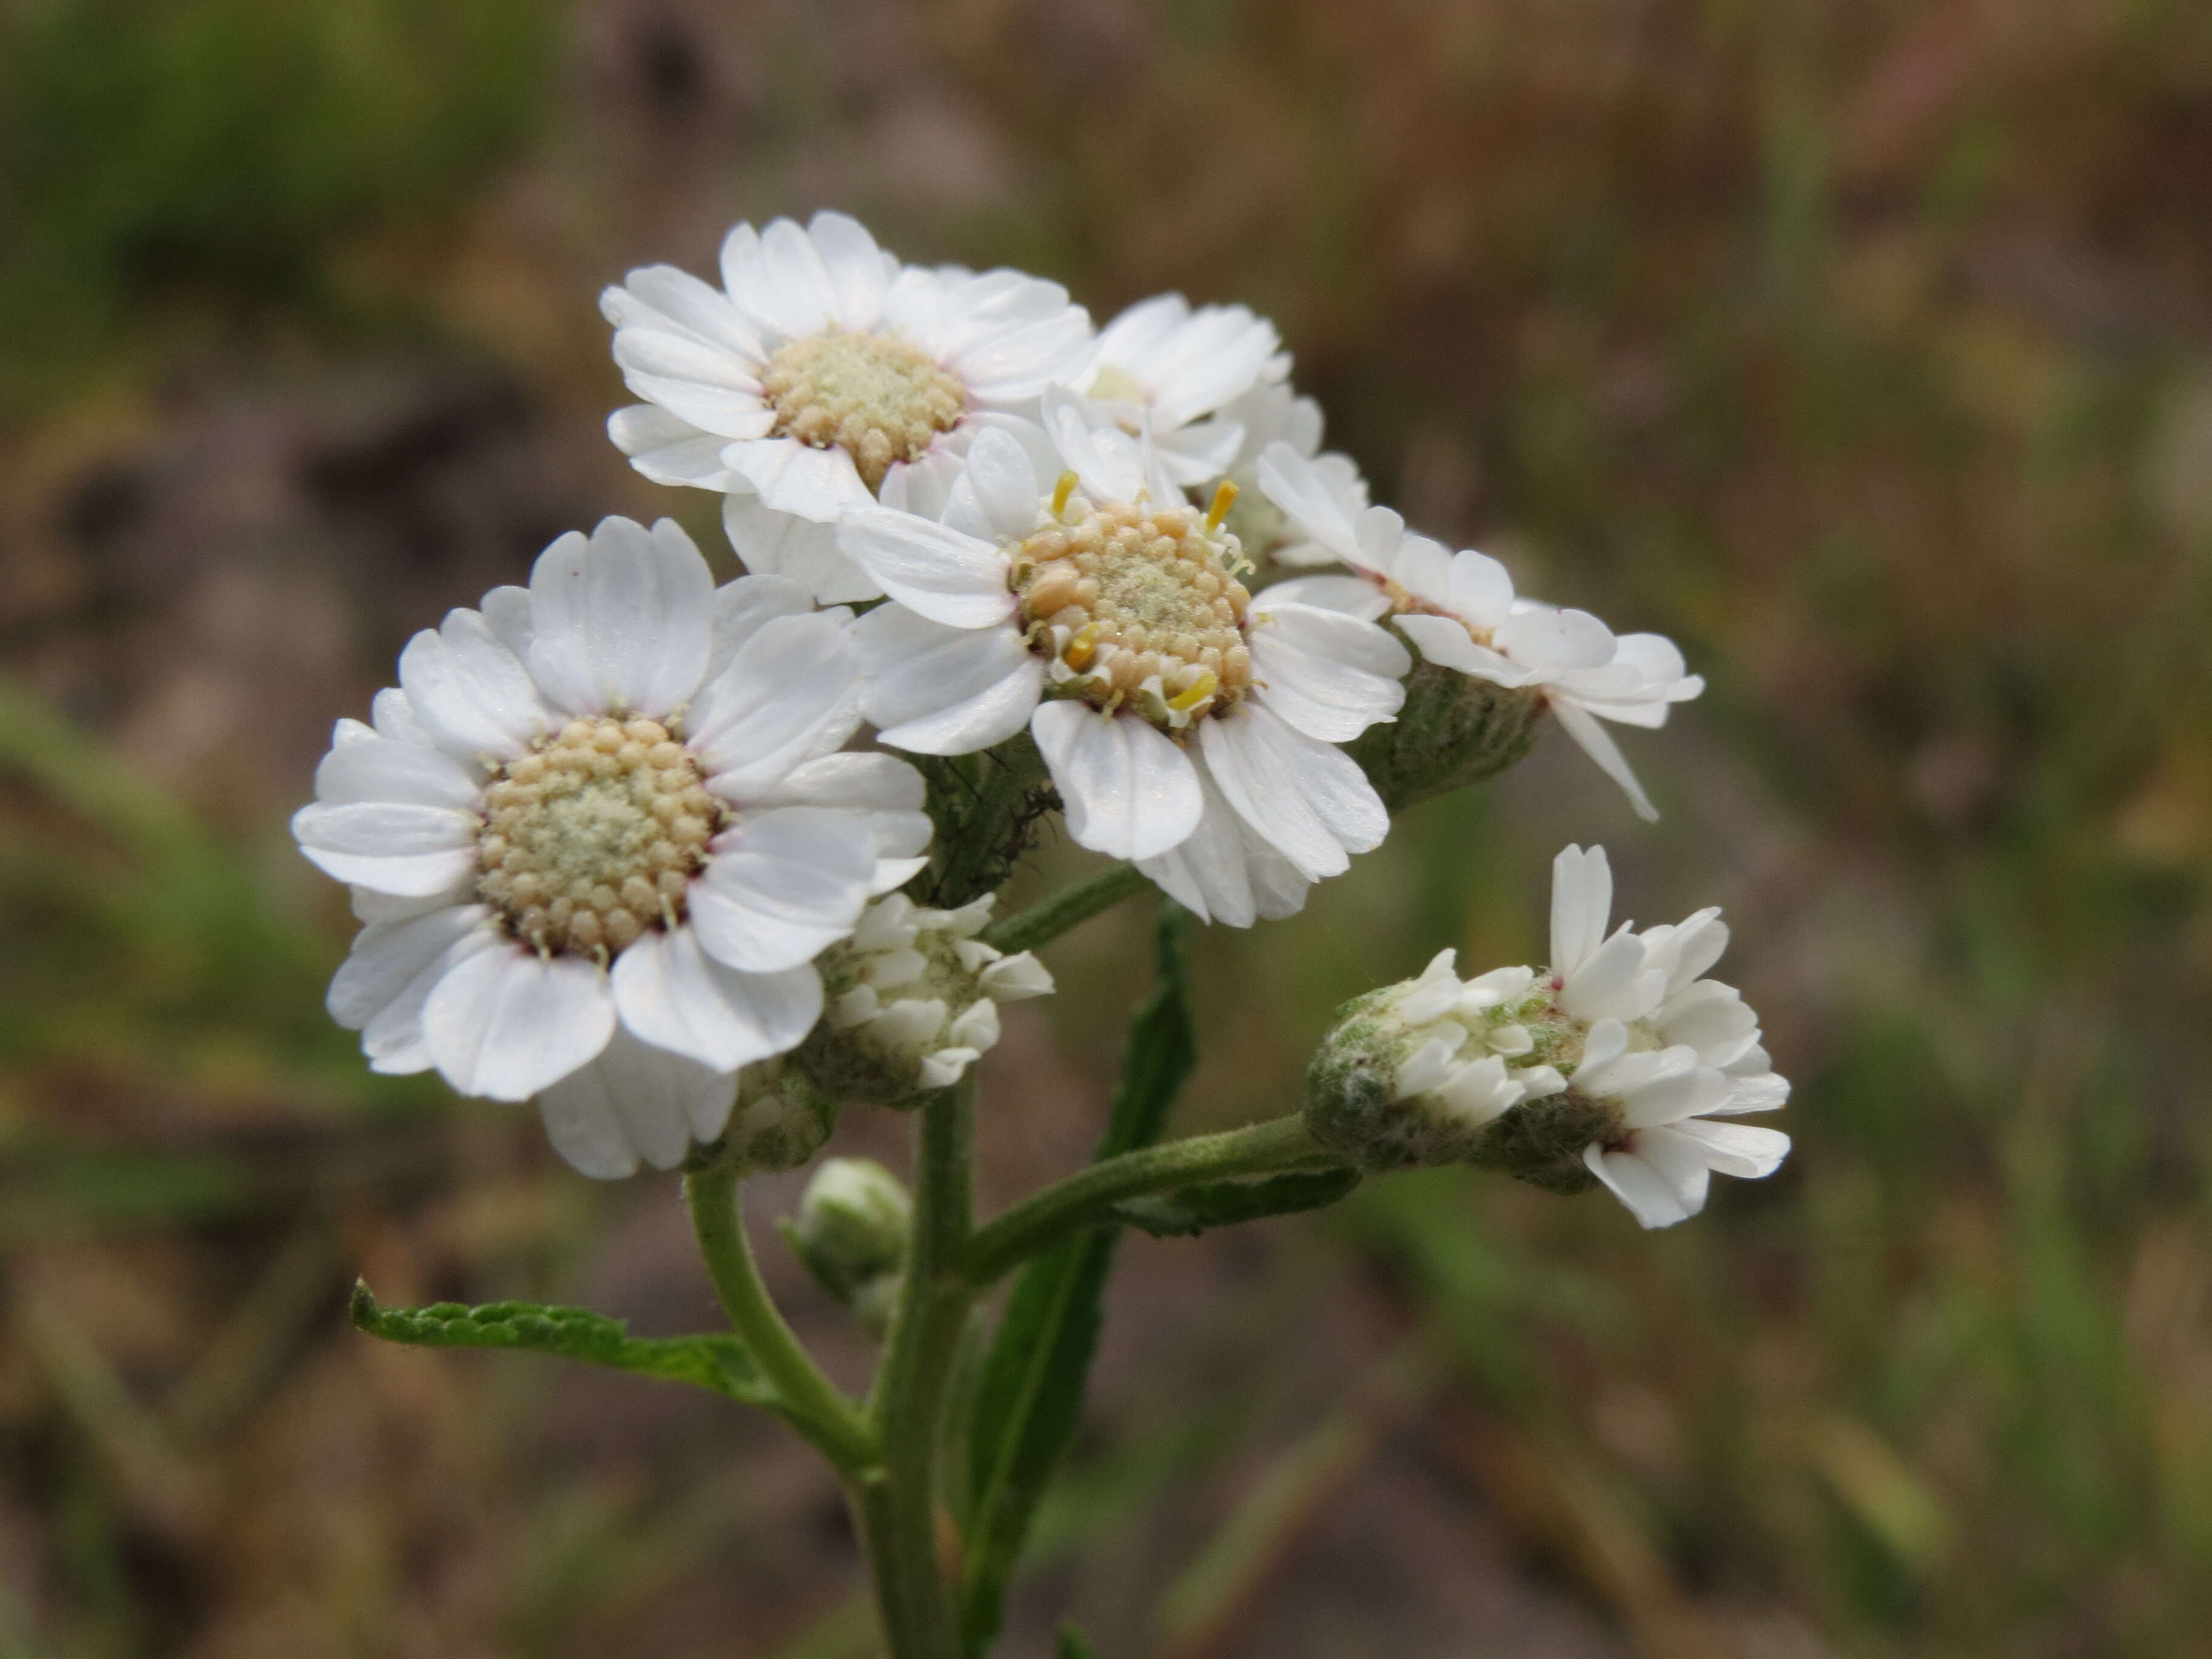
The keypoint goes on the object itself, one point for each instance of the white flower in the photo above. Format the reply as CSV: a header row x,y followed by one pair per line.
x,y
599,835
920,992
1460,611
1638,1031
1271,413
1181,368
1185,729
824,374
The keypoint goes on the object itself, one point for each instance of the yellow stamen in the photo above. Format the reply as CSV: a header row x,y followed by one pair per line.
x,y
1081,649
1224,499
1061,491
1196,693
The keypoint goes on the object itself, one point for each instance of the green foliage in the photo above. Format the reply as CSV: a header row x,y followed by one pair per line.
x,y
715,1362
223,147
1193,1210
1029,1397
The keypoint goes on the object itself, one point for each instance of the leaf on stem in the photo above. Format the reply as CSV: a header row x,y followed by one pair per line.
x,y
1031,1395
1191,1210
715,1362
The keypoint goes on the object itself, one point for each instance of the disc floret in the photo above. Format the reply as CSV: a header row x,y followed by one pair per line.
x,y
880,397
592,835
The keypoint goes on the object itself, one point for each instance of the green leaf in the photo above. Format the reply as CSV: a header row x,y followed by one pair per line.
x,y
1226,1203
1030,1399
715,1362
1070,1643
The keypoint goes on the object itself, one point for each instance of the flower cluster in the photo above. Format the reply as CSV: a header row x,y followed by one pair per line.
x,y
645,848
1619,1063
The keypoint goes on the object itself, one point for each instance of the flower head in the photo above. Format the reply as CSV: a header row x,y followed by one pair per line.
x,y
823,373
1460,611
1177,370
913,1000
1185,727
599,832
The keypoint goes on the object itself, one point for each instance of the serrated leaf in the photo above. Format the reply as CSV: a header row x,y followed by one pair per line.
x,y
715,1362
1189,1210
1031,1395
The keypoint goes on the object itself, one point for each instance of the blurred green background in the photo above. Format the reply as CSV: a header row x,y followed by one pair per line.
x,y
1865,348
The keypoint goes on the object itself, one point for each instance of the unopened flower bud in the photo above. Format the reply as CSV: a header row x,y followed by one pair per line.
x,y
1415,1073
781,1119
851,1231
913,1000
1454,730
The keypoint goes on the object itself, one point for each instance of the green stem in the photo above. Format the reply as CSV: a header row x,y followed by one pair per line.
x,y
1048,919
899,1515
1084,1199
808,1400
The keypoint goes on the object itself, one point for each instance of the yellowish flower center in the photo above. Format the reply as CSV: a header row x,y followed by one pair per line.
x,y
1139,607
875,396
594,836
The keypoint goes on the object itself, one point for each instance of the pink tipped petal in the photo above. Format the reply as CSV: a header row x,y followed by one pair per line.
x,y
1129,792
507,1022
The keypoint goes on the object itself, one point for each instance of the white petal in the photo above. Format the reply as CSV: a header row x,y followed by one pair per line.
x,y
1552,641
1597,743
675,996
1308,800
623,620
633,1103
1678,1161
1742,1150
1104,458
1329,675
507,1022
783,544
781,886
389,846
1129,791
938,691
663,299
776,278
1355,596
510,615
1638,1185
1446,642
668,449
795,477
934,571
1303,492
1582,904
1225,871
1001,485
1613,982
369,767
1198,454
1480,590
468,692
853,266
392,1037
791,692
882,790
744,607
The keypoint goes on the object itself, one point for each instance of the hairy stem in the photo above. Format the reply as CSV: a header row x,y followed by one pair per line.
x,y
1048,918
900,1518
806,1398
1086,1198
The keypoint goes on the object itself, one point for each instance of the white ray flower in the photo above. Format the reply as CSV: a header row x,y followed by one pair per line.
x,y
1271,413
823,373
913,1000
599,834
1460,611
1185,729
1183,369
1668,1055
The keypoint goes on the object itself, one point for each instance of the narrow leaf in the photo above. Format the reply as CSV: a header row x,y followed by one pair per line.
x,y
1030,1399
1226,1203
715,1362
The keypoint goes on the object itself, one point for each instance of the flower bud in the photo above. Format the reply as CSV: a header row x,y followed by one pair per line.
x,y
1454,730
851,1231
1415,1074
780,1118
913,1000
